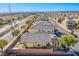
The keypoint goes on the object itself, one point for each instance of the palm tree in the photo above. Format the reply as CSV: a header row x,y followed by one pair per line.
x,y
15,32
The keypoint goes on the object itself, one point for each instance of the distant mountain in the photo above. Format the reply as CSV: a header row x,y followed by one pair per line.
x,y
14,13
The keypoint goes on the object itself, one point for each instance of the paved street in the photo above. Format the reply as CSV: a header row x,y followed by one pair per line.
x,y
9,36
59,26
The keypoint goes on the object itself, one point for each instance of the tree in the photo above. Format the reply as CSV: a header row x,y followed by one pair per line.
x,y
48,45
38,45
15,32
6,21
77,26
3,43
28,21
67,40
71,24
60,20
23,26
1,21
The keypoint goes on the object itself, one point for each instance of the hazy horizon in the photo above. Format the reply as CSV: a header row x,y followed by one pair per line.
x,y
39,7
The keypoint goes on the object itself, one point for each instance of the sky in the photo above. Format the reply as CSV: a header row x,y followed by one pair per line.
x,y
37,7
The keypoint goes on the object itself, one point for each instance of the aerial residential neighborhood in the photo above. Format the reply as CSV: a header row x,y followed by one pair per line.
x,y
51,33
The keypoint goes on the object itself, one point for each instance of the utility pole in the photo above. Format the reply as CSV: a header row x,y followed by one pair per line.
x,y
10,16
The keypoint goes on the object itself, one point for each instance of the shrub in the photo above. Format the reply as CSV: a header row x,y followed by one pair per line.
x,y
3,43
